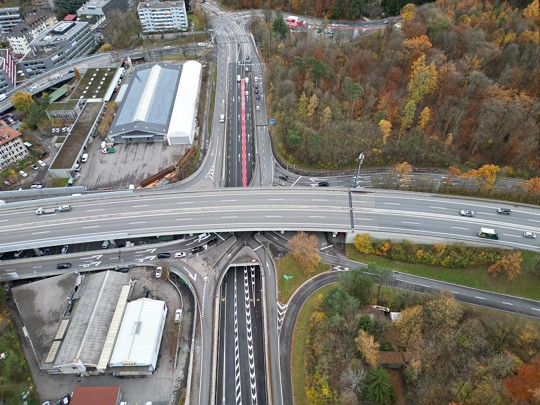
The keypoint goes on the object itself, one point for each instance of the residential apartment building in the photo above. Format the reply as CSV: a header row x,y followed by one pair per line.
x,y
25,32
9,18
7,71
66,41
163,16
102,7
11,145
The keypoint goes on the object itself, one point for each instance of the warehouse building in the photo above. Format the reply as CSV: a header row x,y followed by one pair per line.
x,y
137,347
160,105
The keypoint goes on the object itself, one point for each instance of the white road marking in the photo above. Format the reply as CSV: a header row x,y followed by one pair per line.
x,y
230,217
296,181
275,199
136,223
98,209
317,216
273,216
534,220
387,203
37,267
258,247
229,200
4,220
139,206
185,202
480,298
535,309
438,208
513,236
507,303
318,199
37,233
411,223
89,227
458,227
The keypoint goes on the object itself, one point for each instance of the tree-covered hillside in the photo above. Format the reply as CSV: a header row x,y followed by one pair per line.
x,y
453,83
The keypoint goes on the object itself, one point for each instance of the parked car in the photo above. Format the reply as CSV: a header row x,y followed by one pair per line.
x,y
528,234
84,158
159,271
163,255
35,167
466,213
60,266
177,316
64,250
123,269
6,183
105,244
23,173
504,211
145,293
180,254
42,163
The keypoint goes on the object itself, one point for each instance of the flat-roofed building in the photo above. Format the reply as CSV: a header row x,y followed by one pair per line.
x,y
163,16
58,45
102,7
96,396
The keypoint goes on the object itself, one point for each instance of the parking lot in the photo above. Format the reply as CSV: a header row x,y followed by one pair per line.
x,y
129,164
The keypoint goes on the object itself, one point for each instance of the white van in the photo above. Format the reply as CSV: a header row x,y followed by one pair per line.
x,y
2,97
222,118
84,158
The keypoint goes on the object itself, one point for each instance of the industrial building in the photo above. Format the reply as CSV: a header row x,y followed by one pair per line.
x,y
159,105
137,346
163,16
66,41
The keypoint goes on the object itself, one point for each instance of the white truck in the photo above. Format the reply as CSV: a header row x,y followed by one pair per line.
x,y
45,211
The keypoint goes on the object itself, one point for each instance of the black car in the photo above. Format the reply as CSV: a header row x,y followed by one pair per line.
x,y
164,255
61,266
122,270
212,242
197,249
258,97
323,184
283,177
145,293
504,211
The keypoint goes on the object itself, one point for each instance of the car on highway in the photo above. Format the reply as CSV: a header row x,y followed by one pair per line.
x,y
197,249
33,88
466,213
35,167
212,241
180,254
323,184
65,250
23,173
60,266
504,211
528,234
164,255
258,97
42,163
36,186
159,271
258,108
203,236
283,177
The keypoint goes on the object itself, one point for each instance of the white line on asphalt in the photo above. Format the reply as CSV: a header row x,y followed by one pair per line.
x,y
513,236
387,203
326,247
99,209
296,181
185,202
183,219
37,233
88,227
139,206
4,220
229,200
136,223
273,216
411,223
363,219
487,213
423,285
275,199
438,208
258,247
318,199
317,216
535,309
507,303
534,220
229,217
458,227
37,267
455,292
480,298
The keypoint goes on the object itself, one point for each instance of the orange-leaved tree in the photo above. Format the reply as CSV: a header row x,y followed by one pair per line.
x,y
510,264
305,249
368,347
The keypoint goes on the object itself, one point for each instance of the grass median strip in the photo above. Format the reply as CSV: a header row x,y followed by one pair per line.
x,y
525,285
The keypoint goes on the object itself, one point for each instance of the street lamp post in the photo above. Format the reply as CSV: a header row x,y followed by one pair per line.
x,y
360,160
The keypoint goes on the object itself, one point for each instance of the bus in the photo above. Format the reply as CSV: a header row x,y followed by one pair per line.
x,y
488,233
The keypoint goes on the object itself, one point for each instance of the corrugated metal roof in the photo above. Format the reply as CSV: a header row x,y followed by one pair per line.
x,y
140,333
